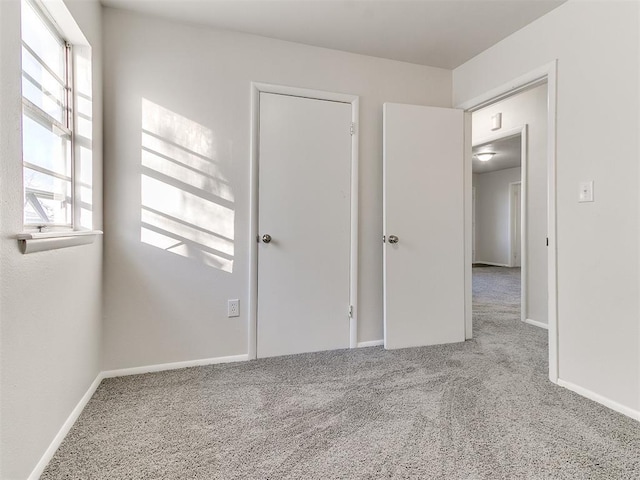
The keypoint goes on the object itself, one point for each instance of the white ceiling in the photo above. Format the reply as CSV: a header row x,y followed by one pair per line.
x,y
508,154
439,33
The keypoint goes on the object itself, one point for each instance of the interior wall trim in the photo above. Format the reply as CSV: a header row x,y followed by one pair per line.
x,y
547,73
536,323
607,402
75,413
161,367
64,429
492,264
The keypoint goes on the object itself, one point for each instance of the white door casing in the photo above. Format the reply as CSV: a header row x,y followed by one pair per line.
x,y
515,223
424,272
545,74
473,224
304,198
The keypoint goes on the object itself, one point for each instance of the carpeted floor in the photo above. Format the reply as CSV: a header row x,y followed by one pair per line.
x,y
482,409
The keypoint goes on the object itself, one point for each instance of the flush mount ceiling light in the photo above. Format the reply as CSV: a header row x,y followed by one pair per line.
x,y
485,156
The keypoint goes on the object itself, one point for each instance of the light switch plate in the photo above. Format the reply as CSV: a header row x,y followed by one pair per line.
x,y
586,192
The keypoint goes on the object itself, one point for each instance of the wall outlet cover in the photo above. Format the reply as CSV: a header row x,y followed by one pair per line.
x,y
233,308
586,192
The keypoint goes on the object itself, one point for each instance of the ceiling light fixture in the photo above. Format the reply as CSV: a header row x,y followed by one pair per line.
x,y
485,156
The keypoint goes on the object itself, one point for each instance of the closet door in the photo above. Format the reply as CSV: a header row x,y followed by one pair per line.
x,y
304,225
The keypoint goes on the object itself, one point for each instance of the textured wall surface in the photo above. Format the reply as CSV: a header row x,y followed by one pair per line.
x,y
50,302
597,49
166,304
493,240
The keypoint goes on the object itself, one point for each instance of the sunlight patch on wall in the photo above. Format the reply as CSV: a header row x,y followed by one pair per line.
x,y
186,202
187,168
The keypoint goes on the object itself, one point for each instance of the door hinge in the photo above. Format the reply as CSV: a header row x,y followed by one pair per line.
x,y
350,311
352,130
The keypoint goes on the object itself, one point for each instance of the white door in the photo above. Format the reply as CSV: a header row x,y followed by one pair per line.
x,y
304,207
516,223
424,301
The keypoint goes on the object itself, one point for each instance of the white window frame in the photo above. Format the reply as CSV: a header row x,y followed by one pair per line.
x,y
63,26
67,128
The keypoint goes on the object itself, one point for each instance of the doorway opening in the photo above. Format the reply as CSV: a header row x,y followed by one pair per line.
x,y
526,105
499,221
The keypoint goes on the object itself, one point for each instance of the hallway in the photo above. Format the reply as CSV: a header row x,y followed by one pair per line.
x,y
496,294
496,319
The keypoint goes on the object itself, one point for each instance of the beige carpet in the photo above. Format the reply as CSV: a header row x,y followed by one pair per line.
x,y
483,409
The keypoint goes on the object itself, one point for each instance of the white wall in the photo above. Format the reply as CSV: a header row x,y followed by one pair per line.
x,y
530,108
50,302
493,241
597,47
164,307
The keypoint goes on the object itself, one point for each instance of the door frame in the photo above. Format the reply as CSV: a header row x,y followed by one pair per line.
x,y
544,74
256,89
513,210
474,232
521,130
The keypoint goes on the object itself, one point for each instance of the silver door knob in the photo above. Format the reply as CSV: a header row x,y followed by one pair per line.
x,y
266,238
393,239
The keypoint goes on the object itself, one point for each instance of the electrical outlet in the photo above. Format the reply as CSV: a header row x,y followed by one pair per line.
x,y
586,192
233,308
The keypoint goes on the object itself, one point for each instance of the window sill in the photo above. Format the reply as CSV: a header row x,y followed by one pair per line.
x,y
41,241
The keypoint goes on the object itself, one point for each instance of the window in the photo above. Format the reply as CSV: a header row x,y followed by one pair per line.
x,y
47,121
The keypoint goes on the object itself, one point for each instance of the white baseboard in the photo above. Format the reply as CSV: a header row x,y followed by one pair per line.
x,y
371,343
537,323
161,367
492,264
618,407
66,426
